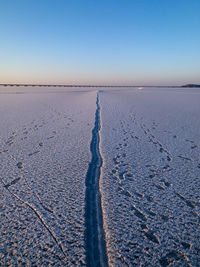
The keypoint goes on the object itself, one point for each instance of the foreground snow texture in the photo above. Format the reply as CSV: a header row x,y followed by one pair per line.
x,y
149,184
45,153
151,176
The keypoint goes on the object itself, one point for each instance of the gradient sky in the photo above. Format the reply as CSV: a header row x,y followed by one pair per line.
x,y
100,41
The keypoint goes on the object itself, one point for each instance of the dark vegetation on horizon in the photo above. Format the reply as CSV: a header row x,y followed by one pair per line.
x,y
80,85
191,85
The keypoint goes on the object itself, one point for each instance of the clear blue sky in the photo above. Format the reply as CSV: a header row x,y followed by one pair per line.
x,y
100,41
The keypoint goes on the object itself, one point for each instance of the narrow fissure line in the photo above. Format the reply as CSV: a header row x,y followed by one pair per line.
x,y
96,254
39,217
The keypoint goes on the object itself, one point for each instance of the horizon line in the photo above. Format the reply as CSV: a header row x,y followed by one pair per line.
x,y
83,85
93,85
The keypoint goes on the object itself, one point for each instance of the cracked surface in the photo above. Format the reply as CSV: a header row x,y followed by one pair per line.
x,y
151,180
149,183
45,153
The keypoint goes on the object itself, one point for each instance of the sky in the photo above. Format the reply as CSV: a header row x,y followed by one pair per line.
x,y
118,42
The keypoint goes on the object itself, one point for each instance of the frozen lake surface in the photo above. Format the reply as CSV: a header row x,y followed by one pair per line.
x,y
148,162
45,152
151,176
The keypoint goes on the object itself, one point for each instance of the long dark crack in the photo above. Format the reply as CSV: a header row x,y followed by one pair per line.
x,y
96,254
38,215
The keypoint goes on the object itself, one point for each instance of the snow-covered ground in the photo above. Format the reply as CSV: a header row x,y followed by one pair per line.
x,y
151,176
44,151
149,183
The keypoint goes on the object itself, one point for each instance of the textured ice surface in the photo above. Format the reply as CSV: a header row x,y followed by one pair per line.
x,y
150,181
151,176
44,151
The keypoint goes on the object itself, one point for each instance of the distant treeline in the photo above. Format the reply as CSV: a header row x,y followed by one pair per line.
x,y
191,85
83,85
79,85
